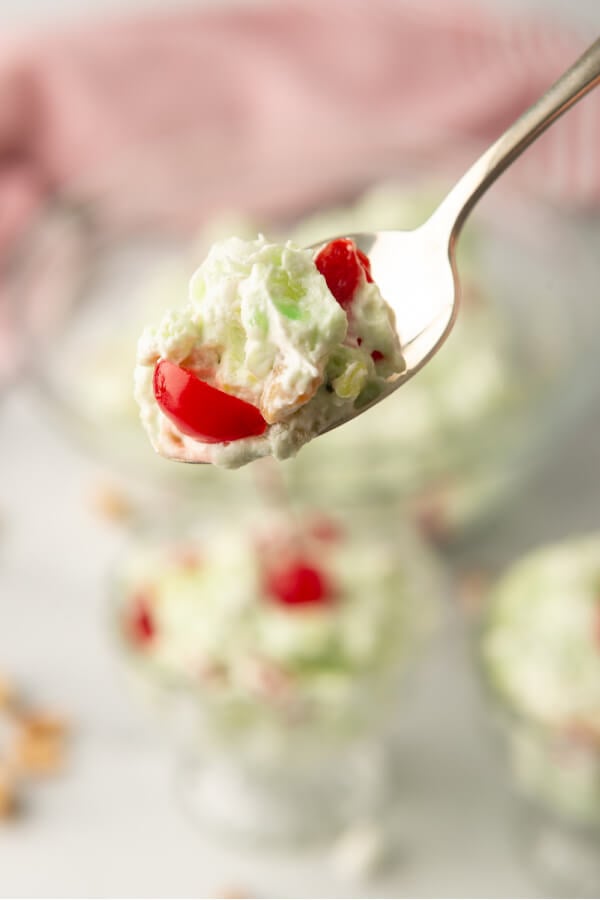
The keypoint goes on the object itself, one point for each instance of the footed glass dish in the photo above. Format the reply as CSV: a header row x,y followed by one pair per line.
x,y
273,654
539,650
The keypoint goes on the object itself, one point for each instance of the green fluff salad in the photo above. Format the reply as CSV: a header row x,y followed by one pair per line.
x,y
541,654
275,345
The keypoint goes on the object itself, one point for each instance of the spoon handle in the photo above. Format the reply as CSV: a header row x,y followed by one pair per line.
x,y
583,75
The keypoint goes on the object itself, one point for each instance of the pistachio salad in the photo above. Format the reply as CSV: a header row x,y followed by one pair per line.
x,y
541,654
288,621
275,345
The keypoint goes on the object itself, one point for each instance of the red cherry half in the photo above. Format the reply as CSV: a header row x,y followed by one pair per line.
x,y
141,625
342,264
201,411
298,584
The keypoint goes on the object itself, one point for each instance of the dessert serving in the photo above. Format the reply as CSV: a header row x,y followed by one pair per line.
x,y
541,655
273,653
275,345
292,624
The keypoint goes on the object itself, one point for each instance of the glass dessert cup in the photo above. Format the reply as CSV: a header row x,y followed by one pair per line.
x,y
289,733
556,779
538,653
519,368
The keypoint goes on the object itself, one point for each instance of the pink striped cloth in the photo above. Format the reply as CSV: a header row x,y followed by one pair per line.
x,y
270,108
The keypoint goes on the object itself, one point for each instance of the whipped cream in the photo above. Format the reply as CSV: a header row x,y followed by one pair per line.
x,y
261,324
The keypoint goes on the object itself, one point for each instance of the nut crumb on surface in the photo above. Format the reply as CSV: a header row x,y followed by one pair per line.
x,y
34,746
8,794
110,502
7,693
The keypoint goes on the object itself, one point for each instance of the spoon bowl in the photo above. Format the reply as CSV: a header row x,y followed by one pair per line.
x,y
423,297
416,270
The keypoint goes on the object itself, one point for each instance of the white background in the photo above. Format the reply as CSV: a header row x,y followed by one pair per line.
x,y
40,11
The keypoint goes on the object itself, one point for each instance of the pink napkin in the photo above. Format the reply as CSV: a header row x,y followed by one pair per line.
x,y
269,108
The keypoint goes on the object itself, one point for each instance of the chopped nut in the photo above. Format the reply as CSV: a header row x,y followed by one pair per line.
x,y
8,794
39,746
111,503
274,406
171,435
7,693
39,756
43,725
33,744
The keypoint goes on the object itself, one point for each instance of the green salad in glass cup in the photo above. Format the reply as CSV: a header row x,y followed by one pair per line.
x,y
275,652
540,653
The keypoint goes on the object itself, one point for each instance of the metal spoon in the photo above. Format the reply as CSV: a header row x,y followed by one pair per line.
x,y
416,270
